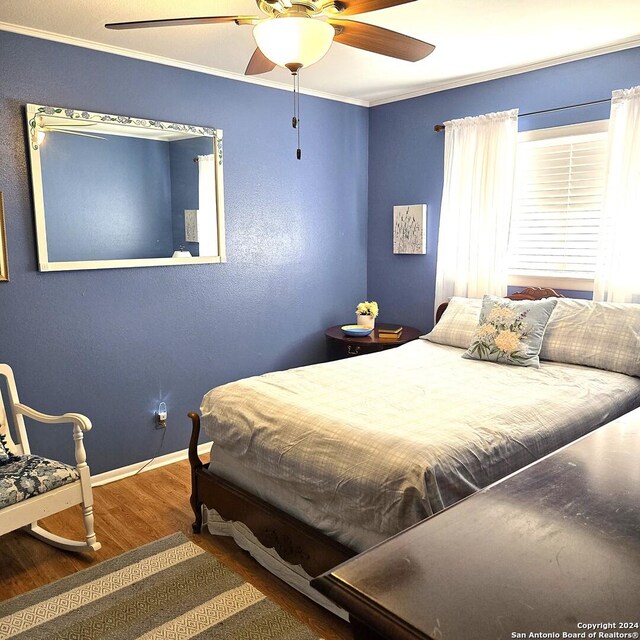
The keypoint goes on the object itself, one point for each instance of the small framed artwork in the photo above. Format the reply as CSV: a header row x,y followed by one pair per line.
x,y
4,263
191,225
410,229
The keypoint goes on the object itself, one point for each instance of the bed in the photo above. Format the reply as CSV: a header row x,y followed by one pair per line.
x,y
313,465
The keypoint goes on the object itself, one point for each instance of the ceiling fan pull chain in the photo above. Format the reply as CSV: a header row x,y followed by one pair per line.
x,y
297,98
295,121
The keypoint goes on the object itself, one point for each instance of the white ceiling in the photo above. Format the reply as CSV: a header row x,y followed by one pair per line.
x,y
475,39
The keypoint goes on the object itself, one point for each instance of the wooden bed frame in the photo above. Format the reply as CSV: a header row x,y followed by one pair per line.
x,y
294,541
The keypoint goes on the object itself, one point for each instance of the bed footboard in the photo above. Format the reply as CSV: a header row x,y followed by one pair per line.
x,y
295,542
196,466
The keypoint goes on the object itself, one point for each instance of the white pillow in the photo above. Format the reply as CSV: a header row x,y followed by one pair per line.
x,y
603,335
458,324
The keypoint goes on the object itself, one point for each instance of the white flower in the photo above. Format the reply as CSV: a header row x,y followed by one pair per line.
x,y
486,331
508,341
501,315
367,308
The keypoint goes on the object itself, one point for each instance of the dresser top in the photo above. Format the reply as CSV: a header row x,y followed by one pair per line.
x,y
548,549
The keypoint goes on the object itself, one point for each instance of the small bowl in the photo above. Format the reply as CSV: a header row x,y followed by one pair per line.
x,y
356,330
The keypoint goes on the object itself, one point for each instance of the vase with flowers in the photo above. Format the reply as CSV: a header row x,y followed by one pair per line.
x,y
366,313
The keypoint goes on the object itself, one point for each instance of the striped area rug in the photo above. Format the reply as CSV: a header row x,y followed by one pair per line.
x,y
167,589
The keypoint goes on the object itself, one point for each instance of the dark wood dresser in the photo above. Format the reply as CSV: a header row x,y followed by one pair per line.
x,y
550,550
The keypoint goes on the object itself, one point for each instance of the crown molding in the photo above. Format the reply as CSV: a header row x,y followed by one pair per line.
x,y
170,62
620,45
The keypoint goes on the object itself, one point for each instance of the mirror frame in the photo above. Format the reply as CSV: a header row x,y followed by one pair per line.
x,y
105,120
4,261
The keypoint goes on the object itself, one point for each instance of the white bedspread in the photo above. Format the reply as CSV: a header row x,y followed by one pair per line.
x,y
382,441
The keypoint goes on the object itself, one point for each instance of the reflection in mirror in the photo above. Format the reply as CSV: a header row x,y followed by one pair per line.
x,y
114,191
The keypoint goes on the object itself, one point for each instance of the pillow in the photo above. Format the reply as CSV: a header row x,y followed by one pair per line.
x,y
5,455
458,323
510,331
604,335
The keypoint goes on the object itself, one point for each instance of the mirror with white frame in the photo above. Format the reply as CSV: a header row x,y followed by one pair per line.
x,y
116,191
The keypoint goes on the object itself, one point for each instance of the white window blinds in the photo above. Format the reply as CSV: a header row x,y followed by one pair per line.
x,y
556,216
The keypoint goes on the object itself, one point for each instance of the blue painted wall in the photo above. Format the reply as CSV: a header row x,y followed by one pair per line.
x,y
406,161
106,199
301,248
114,343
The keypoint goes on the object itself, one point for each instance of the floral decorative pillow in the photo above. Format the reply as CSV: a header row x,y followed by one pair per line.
x,y
511,331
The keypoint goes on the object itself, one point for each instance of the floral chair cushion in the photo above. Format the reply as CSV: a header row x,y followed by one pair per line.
x,y
28,476
511,331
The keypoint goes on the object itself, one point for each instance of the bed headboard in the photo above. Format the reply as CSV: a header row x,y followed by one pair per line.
x,y
535,293
529,293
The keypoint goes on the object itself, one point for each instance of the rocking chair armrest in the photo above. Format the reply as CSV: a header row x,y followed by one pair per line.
x,y
75,418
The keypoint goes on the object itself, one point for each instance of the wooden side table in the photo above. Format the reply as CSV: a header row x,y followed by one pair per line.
x,y
340,345
545,551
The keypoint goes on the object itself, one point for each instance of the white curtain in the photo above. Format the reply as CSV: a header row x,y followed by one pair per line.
x,y
207,209
617,276
479,173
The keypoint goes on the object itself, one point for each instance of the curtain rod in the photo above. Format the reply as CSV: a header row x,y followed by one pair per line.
x,y
440,127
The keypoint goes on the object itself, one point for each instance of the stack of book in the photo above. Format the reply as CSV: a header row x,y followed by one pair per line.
x,y
389,333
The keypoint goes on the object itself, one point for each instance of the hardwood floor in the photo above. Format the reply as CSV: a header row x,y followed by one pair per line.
x,y
130,513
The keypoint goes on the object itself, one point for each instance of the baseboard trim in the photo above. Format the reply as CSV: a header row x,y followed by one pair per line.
x,y
130,470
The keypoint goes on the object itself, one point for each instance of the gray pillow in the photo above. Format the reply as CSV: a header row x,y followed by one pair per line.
x,y
604,335
458,323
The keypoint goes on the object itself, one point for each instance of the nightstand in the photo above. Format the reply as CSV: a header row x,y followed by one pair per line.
x,y
340,345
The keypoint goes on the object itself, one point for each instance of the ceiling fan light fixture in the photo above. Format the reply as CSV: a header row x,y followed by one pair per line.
x,y
297,41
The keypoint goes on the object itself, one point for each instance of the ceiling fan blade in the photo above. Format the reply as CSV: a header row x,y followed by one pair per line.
x,y
177,22
379,40
259,63
351,7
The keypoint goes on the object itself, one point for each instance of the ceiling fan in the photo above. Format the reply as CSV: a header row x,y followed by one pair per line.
x,y
298,33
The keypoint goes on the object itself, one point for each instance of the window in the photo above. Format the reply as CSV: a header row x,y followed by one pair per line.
x,y
555,226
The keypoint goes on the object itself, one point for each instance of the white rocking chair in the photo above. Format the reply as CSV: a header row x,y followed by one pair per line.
x,y
33,487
